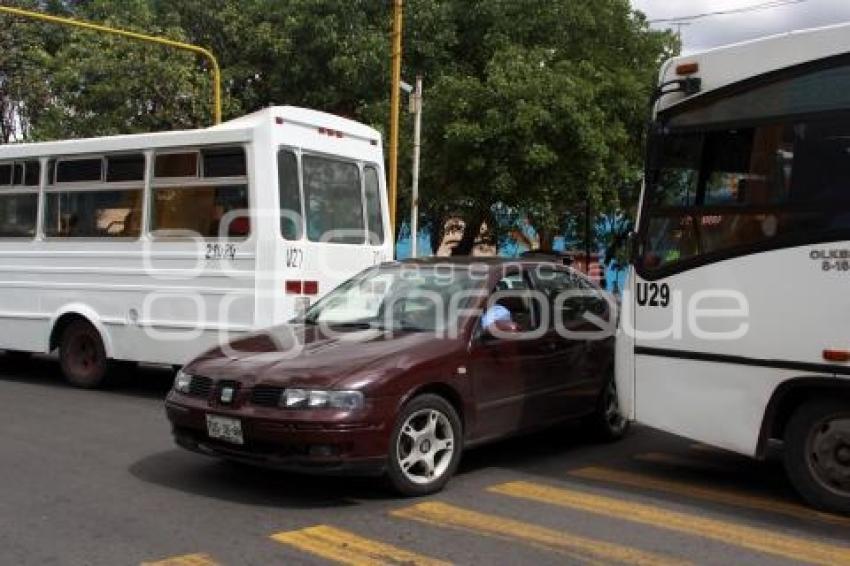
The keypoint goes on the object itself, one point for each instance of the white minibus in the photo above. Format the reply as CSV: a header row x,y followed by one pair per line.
x,y
155,247
735,329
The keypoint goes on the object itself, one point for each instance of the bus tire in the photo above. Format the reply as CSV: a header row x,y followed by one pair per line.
x,y
817,453
82,355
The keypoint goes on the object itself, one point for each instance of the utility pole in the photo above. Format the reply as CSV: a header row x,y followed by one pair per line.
x,y
416,108
216,70
394,106
587,235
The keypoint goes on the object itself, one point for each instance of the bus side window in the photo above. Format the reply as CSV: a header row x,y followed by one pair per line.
x,y
291,221
18,215
212,203
334,202
374,214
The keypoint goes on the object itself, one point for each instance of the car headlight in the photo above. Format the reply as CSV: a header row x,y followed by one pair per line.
x,y
182,381
321,399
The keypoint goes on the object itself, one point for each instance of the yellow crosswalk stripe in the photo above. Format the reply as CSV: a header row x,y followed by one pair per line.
x,y
184,560
717,495
578,547
345,547
700,447
752,538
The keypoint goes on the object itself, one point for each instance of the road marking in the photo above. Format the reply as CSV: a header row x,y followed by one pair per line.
x,y
685,462
184,560
761,540
699,447
579,548
348,548
717,495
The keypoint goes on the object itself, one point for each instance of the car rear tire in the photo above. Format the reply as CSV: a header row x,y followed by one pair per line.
x,y
608,422
817,453
82,355
425,446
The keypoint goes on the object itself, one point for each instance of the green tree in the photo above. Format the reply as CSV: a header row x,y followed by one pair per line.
x,y
542,108
531,106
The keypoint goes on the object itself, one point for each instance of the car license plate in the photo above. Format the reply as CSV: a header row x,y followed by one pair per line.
x,y
223,428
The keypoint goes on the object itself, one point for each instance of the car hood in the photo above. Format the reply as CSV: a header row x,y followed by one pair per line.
x,y
300,355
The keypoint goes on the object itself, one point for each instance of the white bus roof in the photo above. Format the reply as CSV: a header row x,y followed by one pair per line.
x,y
732,63
234,131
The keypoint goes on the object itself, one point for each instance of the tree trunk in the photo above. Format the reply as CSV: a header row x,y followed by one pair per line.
x,y
470,234
546,239
436,230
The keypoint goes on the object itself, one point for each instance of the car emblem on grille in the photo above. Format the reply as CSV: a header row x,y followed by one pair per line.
x,y
227,392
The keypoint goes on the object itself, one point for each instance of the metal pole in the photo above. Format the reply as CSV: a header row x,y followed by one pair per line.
x,y
394,105
216,70
414,198
587,235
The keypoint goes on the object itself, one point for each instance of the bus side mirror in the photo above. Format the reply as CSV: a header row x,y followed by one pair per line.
x,y
634,247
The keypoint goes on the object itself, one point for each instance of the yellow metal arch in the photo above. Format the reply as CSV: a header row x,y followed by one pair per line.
x,y
137,36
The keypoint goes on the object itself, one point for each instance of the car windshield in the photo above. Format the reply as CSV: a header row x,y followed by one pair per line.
x,y
403,297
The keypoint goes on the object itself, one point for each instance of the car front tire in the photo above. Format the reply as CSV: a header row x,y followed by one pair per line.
x,y
425,446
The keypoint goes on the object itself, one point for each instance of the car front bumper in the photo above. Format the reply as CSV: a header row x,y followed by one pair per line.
x,y
319,441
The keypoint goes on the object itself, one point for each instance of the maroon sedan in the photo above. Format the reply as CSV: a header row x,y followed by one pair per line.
x,y
405,365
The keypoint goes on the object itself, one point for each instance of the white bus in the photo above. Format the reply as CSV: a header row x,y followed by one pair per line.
x,y
154,247
736,327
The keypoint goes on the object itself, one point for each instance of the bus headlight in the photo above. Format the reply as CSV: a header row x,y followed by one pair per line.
x,y
321,399
182,382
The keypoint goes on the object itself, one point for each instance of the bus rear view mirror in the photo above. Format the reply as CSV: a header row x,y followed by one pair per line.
x,y
633,247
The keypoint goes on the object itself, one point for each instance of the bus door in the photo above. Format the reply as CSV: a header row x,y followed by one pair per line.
x,y
327,203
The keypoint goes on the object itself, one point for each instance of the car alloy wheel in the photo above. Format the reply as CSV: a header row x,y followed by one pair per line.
x,y
425,446
613,416
608,422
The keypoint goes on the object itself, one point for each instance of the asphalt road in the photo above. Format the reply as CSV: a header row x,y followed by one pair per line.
x,y
92,477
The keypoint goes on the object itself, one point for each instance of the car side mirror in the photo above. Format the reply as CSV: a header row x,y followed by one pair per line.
x,y
500,330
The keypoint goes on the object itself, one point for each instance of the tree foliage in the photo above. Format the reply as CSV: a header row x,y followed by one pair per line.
x,y
532,106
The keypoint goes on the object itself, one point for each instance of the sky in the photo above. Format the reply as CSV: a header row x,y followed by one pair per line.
x,y
711,31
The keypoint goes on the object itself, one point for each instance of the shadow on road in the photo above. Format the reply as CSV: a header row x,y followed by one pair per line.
x,y
551,455
125,379
239,483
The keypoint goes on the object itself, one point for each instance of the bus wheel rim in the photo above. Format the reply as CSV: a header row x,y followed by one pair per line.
x,y
828,449
83,355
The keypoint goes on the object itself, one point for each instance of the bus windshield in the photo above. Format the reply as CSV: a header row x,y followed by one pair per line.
x,y
725,191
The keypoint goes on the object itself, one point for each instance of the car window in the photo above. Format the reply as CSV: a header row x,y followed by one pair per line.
x,y
513,293
567,307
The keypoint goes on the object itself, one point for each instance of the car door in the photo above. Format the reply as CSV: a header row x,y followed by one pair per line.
x,y
579,352
507,372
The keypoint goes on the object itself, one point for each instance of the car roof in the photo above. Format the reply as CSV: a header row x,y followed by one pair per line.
x,y
462,261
